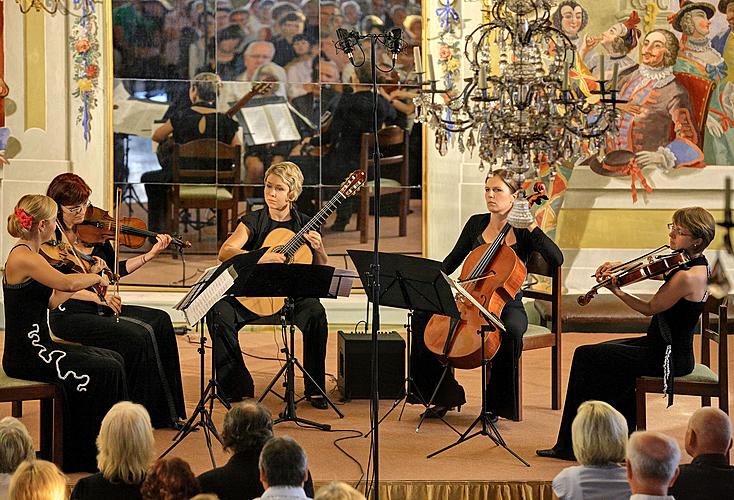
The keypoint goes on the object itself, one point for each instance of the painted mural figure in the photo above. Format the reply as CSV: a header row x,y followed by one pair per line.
x,y
657,123
571,18
698,57
617,41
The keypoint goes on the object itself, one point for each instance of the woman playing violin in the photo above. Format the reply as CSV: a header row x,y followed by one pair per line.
x,y
142,335
500,191
608,371
91,379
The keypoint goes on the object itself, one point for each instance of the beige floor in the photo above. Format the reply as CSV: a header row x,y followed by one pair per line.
x,y
402,450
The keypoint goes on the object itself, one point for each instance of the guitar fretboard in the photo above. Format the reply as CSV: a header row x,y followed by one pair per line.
x,y
290,248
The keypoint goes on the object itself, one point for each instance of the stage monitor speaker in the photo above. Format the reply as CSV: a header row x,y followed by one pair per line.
x,y
355,365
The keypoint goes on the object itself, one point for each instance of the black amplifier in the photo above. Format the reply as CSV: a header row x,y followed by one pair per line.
x,y
355,365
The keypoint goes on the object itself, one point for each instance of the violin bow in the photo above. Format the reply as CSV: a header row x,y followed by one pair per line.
x,y
118,204
76,256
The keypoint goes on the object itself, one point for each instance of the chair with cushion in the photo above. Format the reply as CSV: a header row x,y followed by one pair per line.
x,y
395,140
702,381
549,333
211,188
15,391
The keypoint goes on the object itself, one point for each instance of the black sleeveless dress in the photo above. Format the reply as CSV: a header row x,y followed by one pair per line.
x,y
608,371
92,379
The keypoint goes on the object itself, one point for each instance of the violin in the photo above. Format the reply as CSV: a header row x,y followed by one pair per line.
x,y
99,226
493,274
645,267
58,253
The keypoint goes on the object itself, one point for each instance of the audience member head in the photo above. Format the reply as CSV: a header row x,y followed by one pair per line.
x,y
16,445
599,434
291,24
709,432
372,25
204,87
652,462
338,490
34,214
282,463
37,480
205,496
291,174
256,54
125,443
352,12
247,425
169,479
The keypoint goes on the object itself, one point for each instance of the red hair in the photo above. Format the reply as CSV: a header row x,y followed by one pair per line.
x,y
169,479
69,190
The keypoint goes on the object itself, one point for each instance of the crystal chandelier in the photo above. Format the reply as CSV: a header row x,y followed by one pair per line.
x,y
52,6
519,107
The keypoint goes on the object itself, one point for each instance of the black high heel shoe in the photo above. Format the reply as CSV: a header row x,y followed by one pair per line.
x,y
556,453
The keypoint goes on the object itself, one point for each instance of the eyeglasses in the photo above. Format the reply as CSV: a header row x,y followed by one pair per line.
x,y
677,230
78,209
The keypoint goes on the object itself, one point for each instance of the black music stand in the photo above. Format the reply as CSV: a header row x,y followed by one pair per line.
x,y
408,283
294,281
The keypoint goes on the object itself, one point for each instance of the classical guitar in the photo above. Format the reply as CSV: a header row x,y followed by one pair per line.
x,y
293,245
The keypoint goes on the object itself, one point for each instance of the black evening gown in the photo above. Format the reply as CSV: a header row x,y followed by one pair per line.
x,y
145,339
92,379
608,371
502,390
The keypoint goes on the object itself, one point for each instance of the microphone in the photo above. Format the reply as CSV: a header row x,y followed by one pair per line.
x,y
394,42
346,43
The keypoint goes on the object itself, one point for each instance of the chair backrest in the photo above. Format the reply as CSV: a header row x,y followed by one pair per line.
x,y
207,149
700,90
719,308
387,137
538,265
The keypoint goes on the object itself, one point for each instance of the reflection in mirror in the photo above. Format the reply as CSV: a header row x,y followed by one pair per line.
x,y
316,111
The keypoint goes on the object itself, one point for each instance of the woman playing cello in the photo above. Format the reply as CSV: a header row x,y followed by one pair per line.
x,y
608,371
500,190
91,379
142,335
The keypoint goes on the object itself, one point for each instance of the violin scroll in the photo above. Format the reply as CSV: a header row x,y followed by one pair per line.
x,y
586,298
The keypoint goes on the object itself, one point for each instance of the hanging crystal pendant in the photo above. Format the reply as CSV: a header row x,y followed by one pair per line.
x,y
520,216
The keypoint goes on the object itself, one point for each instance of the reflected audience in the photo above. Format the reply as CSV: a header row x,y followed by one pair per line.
x,y
16,447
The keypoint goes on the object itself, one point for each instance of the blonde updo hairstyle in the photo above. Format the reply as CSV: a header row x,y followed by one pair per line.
x,y
36,206
507,177
37,480
291,175
699,222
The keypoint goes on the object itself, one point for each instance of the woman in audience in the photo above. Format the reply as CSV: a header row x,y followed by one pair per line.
x,y
338,491
38,480
599,440
169,479
16,446
125,445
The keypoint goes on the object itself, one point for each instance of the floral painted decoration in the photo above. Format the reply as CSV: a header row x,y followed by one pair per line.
x,y
85,54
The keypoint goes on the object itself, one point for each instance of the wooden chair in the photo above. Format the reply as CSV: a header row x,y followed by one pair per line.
x,y
392,138
16,391
549,333
213,188
702,381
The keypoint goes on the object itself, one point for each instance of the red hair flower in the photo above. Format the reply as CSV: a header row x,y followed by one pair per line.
x,y
26,221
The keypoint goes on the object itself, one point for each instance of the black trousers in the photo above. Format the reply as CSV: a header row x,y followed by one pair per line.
x,y
228,316
157,189
502,390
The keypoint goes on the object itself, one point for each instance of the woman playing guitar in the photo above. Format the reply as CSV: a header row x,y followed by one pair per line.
x,y
608,371
500,190
143,336
283,185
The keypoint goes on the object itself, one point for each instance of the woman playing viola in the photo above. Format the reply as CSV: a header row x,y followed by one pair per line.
x,y
607,371
500,191
142,335
91,379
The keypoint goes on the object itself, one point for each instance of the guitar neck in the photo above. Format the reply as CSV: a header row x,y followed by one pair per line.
x,y
298,239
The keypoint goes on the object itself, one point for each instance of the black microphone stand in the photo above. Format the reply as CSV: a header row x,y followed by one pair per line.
x,y
346,43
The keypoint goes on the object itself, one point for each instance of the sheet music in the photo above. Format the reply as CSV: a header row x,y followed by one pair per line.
x,y
341,282
282,122
134,117
202,297
491,317
256,119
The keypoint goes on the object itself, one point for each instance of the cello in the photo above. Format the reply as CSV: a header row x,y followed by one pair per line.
x,y
493,274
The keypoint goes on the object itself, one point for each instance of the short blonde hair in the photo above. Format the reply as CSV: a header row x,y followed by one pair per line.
x,y
338,490
698,221
125,443
291,175
599,434
16,445
37,480
36,206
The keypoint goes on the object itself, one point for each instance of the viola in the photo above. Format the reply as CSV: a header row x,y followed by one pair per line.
x,y
646,267
58,253
493,274
99,226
